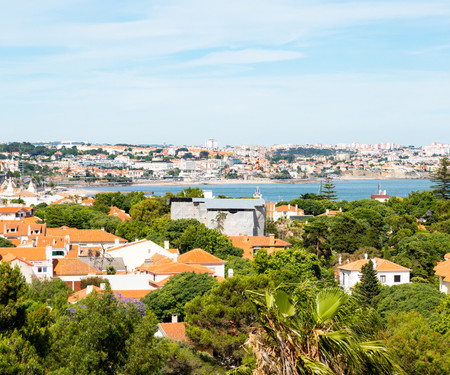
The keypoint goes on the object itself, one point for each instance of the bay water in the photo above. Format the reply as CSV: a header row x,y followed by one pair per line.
x,y
275,192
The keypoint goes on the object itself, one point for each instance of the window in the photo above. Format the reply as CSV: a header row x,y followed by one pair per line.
x,y
397,278
39,269
383,279
44,269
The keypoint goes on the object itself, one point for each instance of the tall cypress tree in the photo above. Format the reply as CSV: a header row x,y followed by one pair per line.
x,y
441,179
369,286
328,190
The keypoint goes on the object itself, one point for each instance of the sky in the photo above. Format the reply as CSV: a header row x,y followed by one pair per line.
x,y
239,71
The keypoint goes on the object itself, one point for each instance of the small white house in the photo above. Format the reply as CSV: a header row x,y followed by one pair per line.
x,y
443,271
389,273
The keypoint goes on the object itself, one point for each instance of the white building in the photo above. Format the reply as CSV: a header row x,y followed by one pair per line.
x,y
389,273
443,271
134,254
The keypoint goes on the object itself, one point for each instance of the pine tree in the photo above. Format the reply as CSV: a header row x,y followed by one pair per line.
x,y
369,286
441,179
328,190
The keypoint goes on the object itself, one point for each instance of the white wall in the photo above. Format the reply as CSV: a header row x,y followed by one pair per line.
x,y
348,279
136,253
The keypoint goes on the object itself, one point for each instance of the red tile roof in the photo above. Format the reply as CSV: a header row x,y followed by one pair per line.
x,y
72,267
379,265
199,256
174,331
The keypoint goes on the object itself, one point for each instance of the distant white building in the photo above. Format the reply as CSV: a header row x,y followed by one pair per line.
x,y
389,273
211,143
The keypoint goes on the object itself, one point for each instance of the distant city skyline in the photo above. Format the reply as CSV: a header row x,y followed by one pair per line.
x,y
242,72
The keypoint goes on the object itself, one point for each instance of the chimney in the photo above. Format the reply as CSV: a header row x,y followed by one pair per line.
x,y
327,212
365,256
340,209
289,206
116,242
103,229
230,272
103,286
271,239
89,289
246,239
48,252
340,259
166,245
29,230
296,208
174,318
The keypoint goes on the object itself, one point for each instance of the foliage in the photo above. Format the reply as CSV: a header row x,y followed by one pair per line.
x,y
415,346
442,323
221,319
239,265
420,297
5,243
149,209
179,290
369,287
441,179
210,240
12,302
422,251
76,216
132,229
93,280
191,192
328,190
186,360
104,335
326,333
50,292
297,264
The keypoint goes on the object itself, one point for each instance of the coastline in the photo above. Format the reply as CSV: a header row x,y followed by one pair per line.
x,y
92,189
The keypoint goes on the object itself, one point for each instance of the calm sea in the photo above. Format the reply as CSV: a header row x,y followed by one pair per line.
x,y
346,190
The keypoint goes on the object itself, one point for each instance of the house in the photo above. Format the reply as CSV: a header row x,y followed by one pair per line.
x,y
26,268
287,211
40,259
87,237
443,271
233,215
15,212
251,244
205,259
175,331
135,253
331,212
389,273
71,270
117,212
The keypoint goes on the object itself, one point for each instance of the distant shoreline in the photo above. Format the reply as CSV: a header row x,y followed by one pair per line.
x,y
90,190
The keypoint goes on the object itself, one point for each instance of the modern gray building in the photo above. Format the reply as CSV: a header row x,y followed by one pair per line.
x,y
235,216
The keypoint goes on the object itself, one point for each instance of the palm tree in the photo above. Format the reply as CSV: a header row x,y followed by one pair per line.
x,y
329,333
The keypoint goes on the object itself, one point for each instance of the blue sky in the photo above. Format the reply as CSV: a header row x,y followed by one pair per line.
x,y
258,72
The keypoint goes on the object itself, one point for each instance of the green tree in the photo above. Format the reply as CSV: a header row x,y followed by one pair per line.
x,y
210,240
369,287
422,251
441,179
326,333
415,346
420,297
132,229
328,190
148,209
105,335
12,302
221,319
179,290
297,265
191,192
5,243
